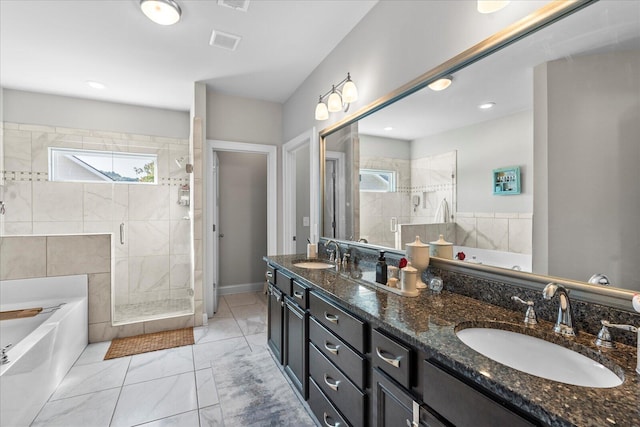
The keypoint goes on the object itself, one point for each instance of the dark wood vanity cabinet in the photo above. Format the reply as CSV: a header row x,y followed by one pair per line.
x,y
295,338
275,311
463,405
338,375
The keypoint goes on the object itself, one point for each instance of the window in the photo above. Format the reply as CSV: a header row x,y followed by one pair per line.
x,y
377,180
102,166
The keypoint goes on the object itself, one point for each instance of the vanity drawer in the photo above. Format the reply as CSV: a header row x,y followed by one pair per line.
x,y
300,294
392,357
463,405
270,274
325,412
344,324
283,282
340,354
337,387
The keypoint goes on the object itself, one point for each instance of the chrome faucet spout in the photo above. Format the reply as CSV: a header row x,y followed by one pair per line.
x,y
564,323
335,257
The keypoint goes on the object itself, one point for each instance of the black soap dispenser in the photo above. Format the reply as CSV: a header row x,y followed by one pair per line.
x,y
381,269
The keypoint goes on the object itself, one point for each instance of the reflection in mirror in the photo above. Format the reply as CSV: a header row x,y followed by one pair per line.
x,y
565,111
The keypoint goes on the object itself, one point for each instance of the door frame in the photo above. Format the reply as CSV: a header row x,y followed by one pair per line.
x,y
289,191
340,213
270,151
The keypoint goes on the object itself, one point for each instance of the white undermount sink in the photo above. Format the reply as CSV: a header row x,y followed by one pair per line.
x,y
314,265
538,357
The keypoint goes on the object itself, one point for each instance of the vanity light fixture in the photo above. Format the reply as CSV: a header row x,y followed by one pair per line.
x,y
163,12
487,105
441,84
490,6
340,96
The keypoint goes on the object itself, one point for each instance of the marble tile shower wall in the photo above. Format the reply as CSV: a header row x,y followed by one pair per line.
x,y
429,178
154,261
509,232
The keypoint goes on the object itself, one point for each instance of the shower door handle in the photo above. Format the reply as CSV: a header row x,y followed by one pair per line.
x,y
122,233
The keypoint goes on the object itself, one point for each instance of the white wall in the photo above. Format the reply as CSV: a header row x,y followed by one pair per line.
x,y
592,130
393,44
63,111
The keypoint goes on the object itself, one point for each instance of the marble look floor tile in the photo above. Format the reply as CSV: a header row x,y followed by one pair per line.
x,y
186,419
93,353
204,353
159,364
93,409
253,324
223,309
211,417
220,329
206,387
257,342
235,300
265,397
94,377
153,400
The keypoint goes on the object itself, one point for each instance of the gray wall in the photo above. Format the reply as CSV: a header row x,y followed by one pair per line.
x,y
243,217
303,184
592,133
394,43
63,111
482,147
377,146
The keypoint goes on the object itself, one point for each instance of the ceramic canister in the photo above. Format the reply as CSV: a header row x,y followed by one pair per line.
x,y
418,255
441,248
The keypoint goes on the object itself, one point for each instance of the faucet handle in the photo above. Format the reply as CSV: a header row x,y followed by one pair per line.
x,y
530,317
604,336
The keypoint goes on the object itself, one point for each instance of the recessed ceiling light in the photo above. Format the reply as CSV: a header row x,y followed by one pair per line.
x,y
486,105
388,128
490,6
95,85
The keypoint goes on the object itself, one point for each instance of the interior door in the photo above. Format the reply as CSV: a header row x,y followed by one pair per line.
x,y
329,226
215,194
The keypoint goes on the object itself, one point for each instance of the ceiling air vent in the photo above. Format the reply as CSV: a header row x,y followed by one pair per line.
x,y
241,5
224,40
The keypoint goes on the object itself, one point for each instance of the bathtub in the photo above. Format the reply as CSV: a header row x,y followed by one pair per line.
x,y
509,260
44,347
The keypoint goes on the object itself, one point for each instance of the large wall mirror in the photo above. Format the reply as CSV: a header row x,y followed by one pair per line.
x,y
545,181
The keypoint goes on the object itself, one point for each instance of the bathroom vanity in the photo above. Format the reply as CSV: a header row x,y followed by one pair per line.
x,y
363,356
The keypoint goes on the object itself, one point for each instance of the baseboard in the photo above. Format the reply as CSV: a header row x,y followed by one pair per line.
x,y
241,288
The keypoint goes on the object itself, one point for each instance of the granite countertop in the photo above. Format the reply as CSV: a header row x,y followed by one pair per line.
x,y
429,322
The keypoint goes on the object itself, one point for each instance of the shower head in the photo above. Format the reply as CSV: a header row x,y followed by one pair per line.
x,y
179,161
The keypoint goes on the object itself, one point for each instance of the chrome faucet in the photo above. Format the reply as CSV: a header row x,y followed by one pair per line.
x,y
564,324
335,256
604,337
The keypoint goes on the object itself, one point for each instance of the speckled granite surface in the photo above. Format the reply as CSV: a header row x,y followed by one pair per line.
x,y
429,322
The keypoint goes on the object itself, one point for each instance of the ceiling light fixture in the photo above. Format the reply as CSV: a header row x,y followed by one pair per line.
x,y
337,100
95,85
163,12
388,128
490,6
486,105
441,84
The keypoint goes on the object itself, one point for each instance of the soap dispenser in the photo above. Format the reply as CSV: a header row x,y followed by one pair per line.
x,y
381,269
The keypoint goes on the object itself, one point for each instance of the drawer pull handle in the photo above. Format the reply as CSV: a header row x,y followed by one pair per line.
x,y
278,297
297,294
268,275
331,348
326,423
332,386
393,362
333,318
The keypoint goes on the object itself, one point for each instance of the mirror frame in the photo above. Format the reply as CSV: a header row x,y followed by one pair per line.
x,y
546,15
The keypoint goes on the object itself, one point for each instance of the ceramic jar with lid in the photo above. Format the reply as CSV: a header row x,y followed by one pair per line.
x,y
441,248
418,255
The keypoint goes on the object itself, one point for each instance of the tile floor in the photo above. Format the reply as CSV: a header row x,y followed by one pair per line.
x,y
227,377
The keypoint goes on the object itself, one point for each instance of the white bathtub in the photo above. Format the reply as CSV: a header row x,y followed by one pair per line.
x,y
509,260
44,347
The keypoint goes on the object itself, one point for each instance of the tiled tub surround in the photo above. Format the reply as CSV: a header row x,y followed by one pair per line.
x,y
498,231
23,257
429,322
154,263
